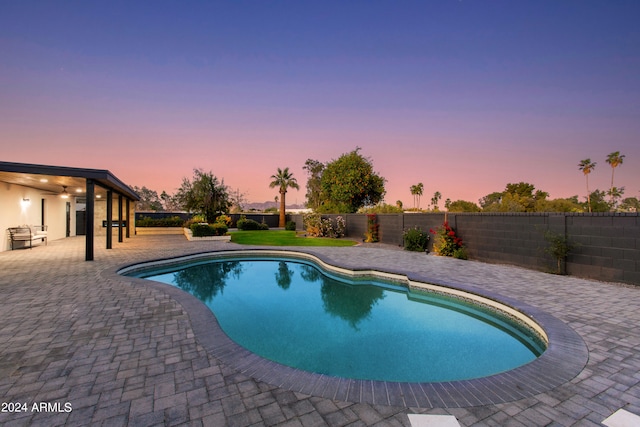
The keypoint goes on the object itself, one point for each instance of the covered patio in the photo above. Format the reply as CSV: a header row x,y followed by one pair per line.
x,y
49,196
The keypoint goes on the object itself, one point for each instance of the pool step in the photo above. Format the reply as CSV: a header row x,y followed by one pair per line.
x,y
621,418
422,420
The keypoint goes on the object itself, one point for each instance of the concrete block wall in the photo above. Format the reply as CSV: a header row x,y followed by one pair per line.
x,y
505,238
606,245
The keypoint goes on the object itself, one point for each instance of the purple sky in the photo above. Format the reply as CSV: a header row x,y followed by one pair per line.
x,y
463,96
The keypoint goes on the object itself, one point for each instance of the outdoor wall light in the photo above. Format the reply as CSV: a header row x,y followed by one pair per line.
x,y
25,203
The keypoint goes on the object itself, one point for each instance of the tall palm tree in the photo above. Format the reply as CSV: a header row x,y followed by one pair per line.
x,y
614,159
283,180
586,166
414,191
435,199
419,191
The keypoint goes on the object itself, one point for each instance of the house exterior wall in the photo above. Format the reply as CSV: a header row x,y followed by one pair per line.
x,y
15,211
100,215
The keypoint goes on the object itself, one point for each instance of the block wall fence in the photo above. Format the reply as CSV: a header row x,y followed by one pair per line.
x,y
607,245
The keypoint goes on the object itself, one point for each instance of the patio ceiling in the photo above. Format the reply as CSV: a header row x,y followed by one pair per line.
x,y
50,184
51,180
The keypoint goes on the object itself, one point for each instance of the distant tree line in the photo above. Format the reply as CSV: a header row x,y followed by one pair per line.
x,y
350,184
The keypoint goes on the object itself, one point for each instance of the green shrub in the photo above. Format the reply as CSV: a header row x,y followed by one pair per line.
x,y
559,248
224,219
446,243
380,209
263,226
460,253
202,230
196,219
290,226
219,228
415,239
248,224
373,229
174,221
311,223
317,226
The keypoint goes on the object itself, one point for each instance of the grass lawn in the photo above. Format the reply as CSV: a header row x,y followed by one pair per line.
x,y
284,238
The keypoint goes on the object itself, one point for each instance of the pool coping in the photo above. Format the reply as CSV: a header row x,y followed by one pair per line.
x,y
565,357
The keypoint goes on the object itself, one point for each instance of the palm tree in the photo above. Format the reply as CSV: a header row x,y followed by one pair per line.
x,y
283,180
435,199
419,190
414,190
615,193
586,166
614,159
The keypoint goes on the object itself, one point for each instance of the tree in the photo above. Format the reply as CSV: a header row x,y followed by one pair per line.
x,y
558,247
283,180
435,199
615,194
597,201
314,170
204,195
614,159
570,204
463,206
381,208
630,204
350,183
586,166
414,191
149,200
238,200
490,202
517,197
169,202
417,191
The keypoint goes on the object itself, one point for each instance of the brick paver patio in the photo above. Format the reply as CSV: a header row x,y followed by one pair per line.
x,y
89,347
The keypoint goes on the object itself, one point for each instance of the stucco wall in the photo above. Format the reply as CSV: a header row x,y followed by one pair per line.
x,y
15,211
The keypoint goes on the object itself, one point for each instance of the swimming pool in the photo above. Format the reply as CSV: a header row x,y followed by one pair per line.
x,y
302,314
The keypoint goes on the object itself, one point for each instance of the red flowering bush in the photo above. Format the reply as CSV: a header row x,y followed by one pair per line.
x,y
372,229
446,243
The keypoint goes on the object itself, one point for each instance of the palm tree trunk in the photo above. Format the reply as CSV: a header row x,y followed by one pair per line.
x,y
588,193
282,207
613,169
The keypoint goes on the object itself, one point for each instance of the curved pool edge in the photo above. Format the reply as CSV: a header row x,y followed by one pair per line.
x,y
565,357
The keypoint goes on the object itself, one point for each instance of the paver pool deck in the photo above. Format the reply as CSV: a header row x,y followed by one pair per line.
x,y
100,349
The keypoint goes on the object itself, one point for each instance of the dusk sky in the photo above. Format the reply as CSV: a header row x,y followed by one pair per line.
x,y
464,96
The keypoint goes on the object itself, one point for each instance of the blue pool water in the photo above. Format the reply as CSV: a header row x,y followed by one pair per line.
x,y
291,312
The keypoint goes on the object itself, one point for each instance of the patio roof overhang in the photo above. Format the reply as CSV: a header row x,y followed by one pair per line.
x,y
51,179
81,182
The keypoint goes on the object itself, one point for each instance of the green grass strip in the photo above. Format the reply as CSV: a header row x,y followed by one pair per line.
x,y
284,238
